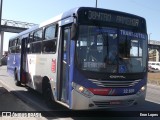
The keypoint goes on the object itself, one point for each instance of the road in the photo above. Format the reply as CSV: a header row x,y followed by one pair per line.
x,y
35,102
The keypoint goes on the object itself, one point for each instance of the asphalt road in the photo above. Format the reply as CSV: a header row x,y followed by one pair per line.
x,y
35,102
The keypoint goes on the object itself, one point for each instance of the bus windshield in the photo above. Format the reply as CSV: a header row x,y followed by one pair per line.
x,y
111,50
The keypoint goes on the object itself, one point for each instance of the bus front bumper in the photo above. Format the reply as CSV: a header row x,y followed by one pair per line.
x,y
80,102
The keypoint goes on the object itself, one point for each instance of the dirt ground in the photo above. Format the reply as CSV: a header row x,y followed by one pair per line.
x,y
154,77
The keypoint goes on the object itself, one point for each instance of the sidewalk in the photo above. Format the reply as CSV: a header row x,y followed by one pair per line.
x,y
9,102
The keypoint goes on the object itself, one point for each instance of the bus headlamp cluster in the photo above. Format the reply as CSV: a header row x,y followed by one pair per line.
x,y
141,90
82,90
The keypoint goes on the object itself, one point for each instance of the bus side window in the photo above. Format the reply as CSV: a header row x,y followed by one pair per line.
x,y
37,36
50,40
13,49
37,41
49,46
36,47
18,45
29,43
12,46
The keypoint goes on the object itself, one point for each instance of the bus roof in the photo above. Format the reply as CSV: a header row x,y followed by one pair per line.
x,y
52,20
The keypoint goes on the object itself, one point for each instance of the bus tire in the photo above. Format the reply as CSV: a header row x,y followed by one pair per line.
x,y
47,93
18,83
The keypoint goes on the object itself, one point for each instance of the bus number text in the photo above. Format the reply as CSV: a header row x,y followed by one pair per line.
x,y
128,91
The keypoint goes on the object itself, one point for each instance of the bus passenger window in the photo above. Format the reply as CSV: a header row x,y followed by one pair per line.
x,y
13,49
49,46
50,32
49,42
36,47
18,49
37,41
37,36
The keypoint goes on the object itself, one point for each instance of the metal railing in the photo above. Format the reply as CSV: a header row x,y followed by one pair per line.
x,y
16,23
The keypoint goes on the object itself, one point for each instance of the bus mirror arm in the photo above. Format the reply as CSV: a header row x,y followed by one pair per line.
x,y
74,31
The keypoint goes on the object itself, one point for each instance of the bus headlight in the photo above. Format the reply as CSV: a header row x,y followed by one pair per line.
x,y
141,90
82,90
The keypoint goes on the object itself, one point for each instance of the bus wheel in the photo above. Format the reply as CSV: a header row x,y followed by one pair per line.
x,y
47,94
18,83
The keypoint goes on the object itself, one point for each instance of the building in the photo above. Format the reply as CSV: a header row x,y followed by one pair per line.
x,y
154,50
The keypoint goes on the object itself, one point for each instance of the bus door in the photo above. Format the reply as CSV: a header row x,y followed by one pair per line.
x,y
23,60
65,64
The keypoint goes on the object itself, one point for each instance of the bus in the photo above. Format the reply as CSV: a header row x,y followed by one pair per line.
x,y
84,58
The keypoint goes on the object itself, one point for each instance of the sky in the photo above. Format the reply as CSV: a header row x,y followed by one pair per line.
x,y
37,11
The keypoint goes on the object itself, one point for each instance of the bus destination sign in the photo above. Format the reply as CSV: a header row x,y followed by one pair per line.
x,y
108,17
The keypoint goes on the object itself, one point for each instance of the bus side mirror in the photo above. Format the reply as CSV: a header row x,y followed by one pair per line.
x,y
74,31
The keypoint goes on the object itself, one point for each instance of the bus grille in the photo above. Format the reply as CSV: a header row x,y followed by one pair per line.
x,y
111,103
103,83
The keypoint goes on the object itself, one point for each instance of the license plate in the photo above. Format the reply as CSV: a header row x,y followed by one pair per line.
x,y
115,102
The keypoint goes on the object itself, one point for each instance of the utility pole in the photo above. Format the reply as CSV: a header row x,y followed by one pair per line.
x,y
1,10
96,3
149,37
1,33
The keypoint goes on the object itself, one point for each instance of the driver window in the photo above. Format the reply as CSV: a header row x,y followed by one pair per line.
x,y
134,48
